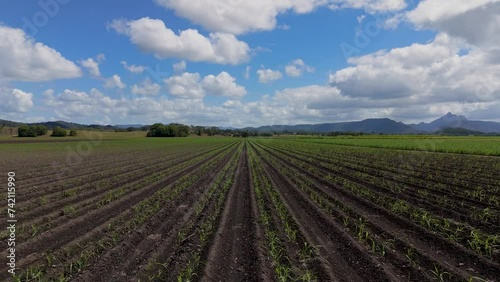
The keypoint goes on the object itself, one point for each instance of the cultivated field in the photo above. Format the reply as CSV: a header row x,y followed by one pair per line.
x,y
128,208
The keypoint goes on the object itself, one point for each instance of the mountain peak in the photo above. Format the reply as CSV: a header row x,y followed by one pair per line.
x,y
451,116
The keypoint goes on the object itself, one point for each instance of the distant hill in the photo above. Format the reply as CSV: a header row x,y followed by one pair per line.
x,y
454,121
388,126
441,125
125,126
63,124
383,125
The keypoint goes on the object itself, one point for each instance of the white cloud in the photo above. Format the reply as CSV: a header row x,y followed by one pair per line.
x,y
147,88
100,58
239,16
232,104
477,22
422,74
309,104
297,68
133,68
92,66
72,104
191,86
185,86
152,36
23,59
114,82
222,85
15,100
371,6
247,72
268,75
180,67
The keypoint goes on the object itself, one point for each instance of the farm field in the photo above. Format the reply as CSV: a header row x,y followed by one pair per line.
x,y
479,145
128,208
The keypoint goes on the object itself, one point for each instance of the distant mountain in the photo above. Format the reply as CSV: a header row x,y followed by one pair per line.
x,y
389,126
129,125
384,125
53,124
454,121
9,123
442,125
227,128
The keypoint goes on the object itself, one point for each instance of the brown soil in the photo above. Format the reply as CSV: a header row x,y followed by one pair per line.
x,y
233,256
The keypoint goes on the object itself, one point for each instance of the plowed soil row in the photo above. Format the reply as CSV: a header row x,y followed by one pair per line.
x,y
91,170
389,173
95,221
252,210
130,257
468,168
234,254
427,202
457,260
344,256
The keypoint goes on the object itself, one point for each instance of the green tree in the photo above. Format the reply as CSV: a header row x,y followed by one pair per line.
x,y
40,129
171,130
156,130
59,132
73,132
26,131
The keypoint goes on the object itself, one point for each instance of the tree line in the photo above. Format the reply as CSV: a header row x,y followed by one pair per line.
x,y
39,130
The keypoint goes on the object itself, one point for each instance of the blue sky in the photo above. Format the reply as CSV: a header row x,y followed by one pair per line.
x,y
241,63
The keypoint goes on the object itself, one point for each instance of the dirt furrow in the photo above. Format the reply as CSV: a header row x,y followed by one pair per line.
x,y
59,236
233,255
346,258
129,256
458,260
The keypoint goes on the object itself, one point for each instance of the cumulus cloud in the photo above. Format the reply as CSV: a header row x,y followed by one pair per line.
x,y
114,82
371,6
23,59
185,86
422,74
92,66
71,104
133,68
222,85
297,67
477,22
192,86
268,75
152,36
180,66
15,100
146,88
238,16
232,104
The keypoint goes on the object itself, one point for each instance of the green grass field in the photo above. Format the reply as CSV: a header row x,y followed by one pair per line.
x,y
101,142
462,145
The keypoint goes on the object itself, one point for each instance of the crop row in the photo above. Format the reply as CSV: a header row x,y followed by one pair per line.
x,y
384,240
126,213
